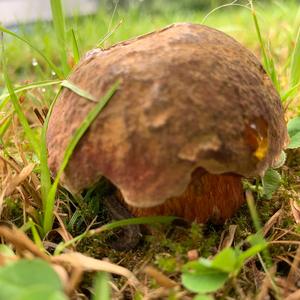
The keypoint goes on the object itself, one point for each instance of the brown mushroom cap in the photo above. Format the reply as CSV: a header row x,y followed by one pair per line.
x,y
190,96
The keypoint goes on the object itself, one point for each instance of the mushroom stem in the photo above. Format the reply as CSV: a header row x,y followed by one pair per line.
x,y
131,234
208,197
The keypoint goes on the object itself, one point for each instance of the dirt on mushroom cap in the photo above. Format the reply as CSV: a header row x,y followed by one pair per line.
x,y
190,96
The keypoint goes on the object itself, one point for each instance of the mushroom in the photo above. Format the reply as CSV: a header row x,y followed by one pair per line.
x,y
195,113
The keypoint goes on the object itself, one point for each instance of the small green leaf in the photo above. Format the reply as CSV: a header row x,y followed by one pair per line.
x,y
295,141
30,279
197,265
202,278
270,182
293,126
209,281
226,260
280,161
294,133
44,292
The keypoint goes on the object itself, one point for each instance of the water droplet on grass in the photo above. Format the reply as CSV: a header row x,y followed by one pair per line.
x,y
34,62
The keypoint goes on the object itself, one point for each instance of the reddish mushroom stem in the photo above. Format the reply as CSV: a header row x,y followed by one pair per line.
x,y
207,197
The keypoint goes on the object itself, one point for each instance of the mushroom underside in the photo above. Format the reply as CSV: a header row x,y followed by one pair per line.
x,y
208,197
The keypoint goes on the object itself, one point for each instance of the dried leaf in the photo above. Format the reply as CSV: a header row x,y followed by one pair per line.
x,y
18,179
228,240
271,222
78,260
22,243
295,210
160,278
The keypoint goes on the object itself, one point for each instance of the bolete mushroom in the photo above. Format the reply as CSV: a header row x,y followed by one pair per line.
x,y
194,114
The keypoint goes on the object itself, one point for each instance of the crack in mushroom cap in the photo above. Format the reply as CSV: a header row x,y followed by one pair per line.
x,y
190,96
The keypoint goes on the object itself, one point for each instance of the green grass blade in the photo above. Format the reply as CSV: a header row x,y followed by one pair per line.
x,y
45,176
48,213
101,287
75,47
109,34
28,131
273,74
49,62
257,224
60,30
295,63
114,225
77,90
267,61
4,126
45,172
74,218
27,87
290,92
260,39
133,221
35,235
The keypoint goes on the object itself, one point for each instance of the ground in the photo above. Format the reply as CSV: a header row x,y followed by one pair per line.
x,y
166,248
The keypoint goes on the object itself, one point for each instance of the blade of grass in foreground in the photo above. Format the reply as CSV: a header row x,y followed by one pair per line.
x,y
32,85
60,31
267,61
4,97
101,287
49,62
28,131
76,54
133,221
4,125
113,225
295,64
290,92
35,234
77,90
259,235
45,172
48,213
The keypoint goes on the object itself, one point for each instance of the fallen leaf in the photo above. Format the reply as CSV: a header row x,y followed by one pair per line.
x,y
295,210
159,277
78,260
18,179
